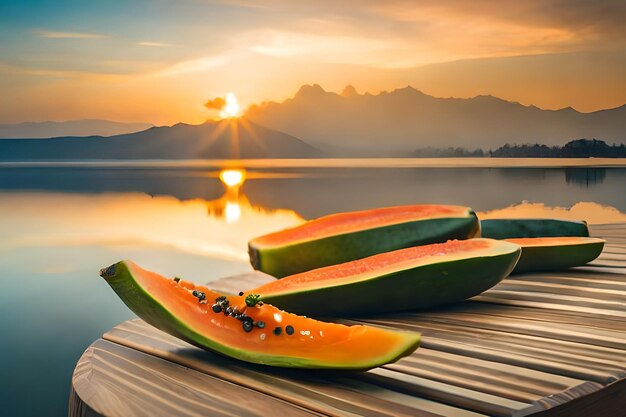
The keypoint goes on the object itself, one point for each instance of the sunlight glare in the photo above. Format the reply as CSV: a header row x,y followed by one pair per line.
x,y
231,108
232,212
232,177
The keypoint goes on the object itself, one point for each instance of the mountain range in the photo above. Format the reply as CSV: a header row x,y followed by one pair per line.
x,y
85,127
317,123
405,119
225,139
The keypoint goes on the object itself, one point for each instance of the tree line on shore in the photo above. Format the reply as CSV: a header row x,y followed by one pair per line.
x,y
579,148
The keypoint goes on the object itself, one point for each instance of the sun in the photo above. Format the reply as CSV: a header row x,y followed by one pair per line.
x,y
231,107
233,177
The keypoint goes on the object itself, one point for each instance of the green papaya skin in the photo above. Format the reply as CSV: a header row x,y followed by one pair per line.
x,y
299,257
173,306
409,288
554,257
520,228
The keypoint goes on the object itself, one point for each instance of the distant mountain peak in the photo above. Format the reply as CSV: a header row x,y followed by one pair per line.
x,y
180,141
82,127
488,97
405,118
310,90
349,92
408,90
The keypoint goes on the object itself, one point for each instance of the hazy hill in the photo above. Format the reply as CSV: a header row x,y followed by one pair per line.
x,y
86,127
220,140
406,119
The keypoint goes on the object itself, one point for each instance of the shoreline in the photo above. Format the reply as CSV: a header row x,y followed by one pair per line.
x,y
485,162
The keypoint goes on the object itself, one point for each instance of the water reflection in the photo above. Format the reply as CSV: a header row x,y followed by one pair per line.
x,y
313,192
592,213
59,226
53,245
229,205
218,228
585,177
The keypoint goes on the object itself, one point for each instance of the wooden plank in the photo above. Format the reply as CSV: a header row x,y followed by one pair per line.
x,y
503,300
328,393
447,394
480,375
568,352
466,398
602,281
537,314
613,256
604,294
568,332
610,403
79,408
109,375
547,343
616,308
602,269
608,248
523,356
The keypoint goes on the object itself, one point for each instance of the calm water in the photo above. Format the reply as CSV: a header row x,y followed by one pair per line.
x,y
61,224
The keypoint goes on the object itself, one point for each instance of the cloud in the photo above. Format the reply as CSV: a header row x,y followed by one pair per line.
x,y
194,65
409,33
60,73
156,44
606,16
215,104
346,48
68,35
588,21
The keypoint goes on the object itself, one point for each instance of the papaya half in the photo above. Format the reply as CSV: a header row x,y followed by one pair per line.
x,y
344,237
556,253
520,228
406,279
249,330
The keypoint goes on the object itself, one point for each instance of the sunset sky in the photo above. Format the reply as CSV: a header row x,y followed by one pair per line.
x,y
159,61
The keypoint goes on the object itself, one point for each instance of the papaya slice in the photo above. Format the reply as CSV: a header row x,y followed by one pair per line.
x,y
243,328
344,237
519,228
406,279
556,253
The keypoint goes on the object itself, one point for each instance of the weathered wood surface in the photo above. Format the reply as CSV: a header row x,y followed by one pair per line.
x,y
551,344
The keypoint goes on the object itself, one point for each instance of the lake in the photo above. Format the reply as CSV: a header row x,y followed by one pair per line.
x,y
62,222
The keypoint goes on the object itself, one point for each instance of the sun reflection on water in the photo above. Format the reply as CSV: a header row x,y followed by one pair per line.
x,y
232,212
232,177
218,228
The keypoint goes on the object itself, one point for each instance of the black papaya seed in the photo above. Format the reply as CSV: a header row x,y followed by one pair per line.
x,y
278,331
247,325
217,308
240,293
289,330
260,324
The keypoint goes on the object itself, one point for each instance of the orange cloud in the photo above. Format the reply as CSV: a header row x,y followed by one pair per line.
x,y
215,104
549,53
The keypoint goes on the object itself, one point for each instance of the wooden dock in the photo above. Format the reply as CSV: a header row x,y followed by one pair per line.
x,y
551,344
